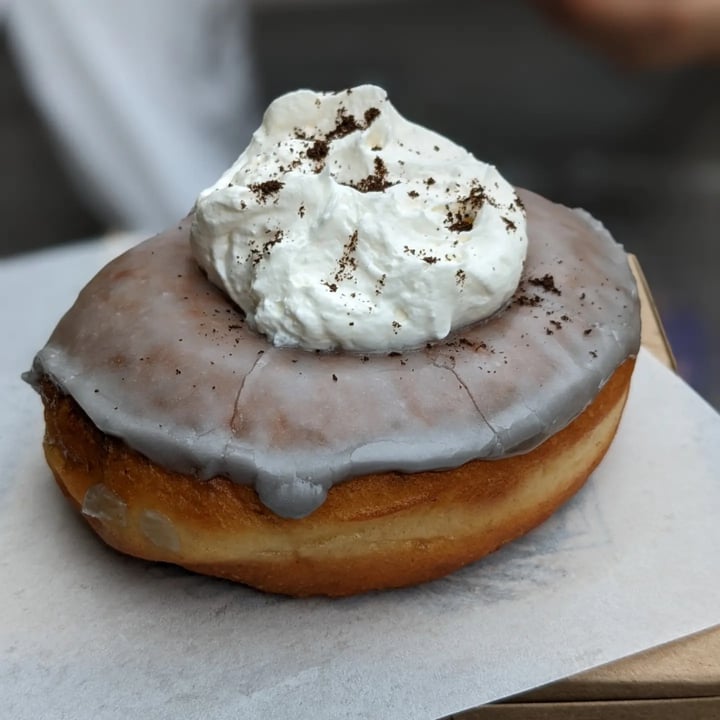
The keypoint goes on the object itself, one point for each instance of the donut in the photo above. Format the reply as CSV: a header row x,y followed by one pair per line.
x,y
183,436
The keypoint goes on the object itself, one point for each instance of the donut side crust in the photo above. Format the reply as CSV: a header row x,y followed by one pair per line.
x,y
373,532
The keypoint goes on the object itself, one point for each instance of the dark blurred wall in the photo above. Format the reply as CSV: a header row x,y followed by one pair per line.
x,y
38,205
494,76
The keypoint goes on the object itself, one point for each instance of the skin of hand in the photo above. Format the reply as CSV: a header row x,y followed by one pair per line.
x,y
643,33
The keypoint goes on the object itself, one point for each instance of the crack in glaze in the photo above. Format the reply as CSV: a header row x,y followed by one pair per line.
x,y
236,406
497,445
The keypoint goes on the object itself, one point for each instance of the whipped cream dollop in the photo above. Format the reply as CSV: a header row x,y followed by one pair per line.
x,y
344,226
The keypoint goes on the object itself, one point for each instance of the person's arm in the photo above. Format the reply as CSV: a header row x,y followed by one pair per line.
x,y
643,32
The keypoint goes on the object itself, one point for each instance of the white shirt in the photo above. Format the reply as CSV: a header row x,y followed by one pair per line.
x,y
149,100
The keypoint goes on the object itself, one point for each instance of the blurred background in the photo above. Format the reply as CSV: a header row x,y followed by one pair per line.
x,y
117,122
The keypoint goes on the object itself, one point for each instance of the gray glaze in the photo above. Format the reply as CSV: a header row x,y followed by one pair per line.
x,y
157,356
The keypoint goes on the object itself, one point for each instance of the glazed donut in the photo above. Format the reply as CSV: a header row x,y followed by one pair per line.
x,y
183,436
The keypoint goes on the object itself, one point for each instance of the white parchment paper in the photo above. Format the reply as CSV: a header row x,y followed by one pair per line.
x,y
630,562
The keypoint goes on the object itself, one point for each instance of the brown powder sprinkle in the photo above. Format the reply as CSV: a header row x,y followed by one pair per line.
x,y
344,125
459,222
546,282
462,217
527,300
371,114
377,182
510,226
347,264
380,284
267,189
277,238
318,151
